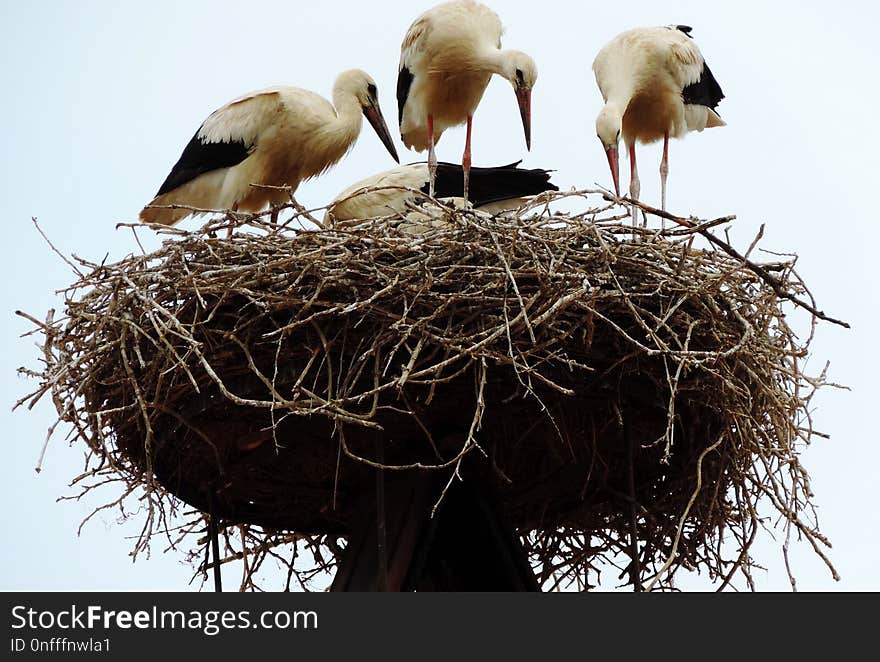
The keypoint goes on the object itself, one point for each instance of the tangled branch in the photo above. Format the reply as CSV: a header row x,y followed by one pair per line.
x,y
637,402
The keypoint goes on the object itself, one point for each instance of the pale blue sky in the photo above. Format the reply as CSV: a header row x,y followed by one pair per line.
x,y
99,98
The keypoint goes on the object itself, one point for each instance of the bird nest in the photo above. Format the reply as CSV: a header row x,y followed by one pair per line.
x,y
636,400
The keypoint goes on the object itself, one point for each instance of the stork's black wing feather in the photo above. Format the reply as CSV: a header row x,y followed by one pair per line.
x,y
705,92
201,156
404,82
490,184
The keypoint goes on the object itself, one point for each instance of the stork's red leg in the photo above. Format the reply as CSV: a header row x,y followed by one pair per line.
x,y
432,156
634,185
664,170
231,227
466,159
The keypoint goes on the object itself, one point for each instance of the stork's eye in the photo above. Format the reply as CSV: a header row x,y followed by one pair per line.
x,y
520,77
372,91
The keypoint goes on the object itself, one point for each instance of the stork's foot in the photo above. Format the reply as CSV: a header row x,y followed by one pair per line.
x,y
664,172
634,186
466,164
634,190
432,157
232,220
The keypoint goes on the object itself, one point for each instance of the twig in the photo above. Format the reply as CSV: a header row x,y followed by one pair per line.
x,y
760,271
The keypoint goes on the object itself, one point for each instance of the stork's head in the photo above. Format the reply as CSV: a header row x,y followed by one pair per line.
x,y
362,86
522,72
608,125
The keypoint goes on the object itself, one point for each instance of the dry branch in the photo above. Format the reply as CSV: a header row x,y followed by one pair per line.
x,y
258,371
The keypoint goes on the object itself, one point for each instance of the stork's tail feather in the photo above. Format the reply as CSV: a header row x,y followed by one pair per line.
x,y
714,120
489,185
156,214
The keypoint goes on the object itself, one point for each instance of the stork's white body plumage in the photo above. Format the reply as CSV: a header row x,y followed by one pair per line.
x,y
400,190
447,58
278,136
656,85
389,192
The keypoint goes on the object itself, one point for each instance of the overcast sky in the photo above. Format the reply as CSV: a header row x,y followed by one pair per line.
x,y
99,98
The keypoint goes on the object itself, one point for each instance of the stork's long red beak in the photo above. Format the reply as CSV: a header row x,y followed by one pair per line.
x,y
613,163
524,99
374,115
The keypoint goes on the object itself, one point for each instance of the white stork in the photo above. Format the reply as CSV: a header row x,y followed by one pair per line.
x,y
446,61
655,84
396,191
277,137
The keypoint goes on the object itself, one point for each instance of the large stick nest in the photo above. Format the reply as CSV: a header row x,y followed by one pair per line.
x,y
627,394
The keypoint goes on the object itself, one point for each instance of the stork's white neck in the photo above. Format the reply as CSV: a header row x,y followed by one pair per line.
x,y
349,117
619,86
615,107
502,62
497,61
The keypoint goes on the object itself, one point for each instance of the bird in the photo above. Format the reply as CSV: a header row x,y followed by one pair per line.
x,y
274,137
656,85
396,191
447,58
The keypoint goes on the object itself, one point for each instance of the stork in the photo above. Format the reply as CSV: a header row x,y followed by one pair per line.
x,y
655,84
396,191
275,137
447,58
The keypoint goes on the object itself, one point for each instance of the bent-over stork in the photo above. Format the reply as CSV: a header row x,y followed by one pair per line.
x,y
446,61
655,84
275,137
396,191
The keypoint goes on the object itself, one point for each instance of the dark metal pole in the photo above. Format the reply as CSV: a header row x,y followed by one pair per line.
x,y
381,531
635,570
214,535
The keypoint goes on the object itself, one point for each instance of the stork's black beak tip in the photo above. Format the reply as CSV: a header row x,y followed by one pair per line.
x,y
524,100
374,115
